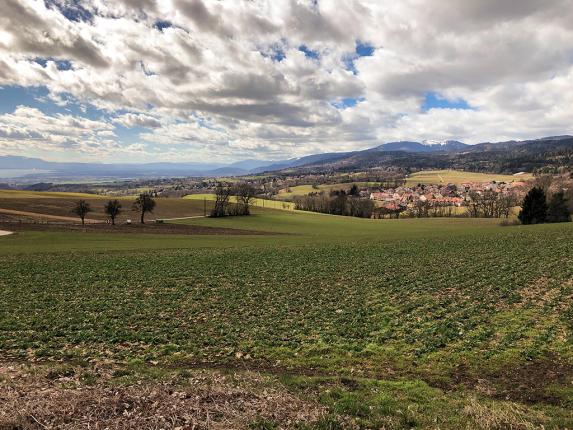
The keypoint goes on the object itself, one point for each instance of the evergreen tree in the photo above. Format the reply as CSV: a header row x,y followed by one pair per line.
x,y
534,207
558,209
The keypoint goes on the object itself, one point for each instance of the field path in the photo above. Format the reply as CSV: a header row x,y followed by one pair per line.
x,y
185,217
5,233
46,216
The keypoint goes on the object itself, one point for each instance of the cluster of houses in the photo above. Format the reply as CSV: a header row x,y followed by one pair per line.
x,y
404,197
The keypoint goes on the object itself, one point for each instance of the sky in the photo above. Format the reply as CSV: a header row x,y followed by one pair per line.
x,y
227,80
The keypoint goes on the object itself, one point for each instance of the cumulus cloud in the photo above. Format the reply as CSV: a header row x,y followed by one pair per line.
x,y
29,129
137,120
229,79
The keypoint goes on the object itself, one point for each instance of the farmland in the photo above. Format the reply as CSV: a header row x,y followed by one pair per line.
x,y
61,205
459,177
363,323
301,190
256,202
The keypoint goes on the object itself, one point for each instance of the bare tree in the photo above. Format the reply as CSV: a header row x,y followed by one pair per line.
x,y
245,194
143,204
113,209
491,204
222,195
544,182
81,209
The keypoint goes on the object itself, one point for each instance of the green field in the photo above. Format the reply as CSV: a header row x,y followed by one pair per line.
x,y
459,177
432,323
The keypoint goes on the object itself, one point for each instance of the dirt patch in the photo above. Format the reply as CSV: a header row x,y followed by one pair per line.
x,y
527,383
40,398
149,228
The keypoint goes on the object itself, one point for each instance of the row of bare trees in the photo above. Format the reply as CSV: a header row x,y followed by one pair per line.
x,y
490,204
244,194
143,204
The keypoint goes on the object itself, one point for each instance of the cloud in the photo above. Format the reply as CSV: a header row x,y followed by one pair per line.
x,y
137,120
209,81
28,129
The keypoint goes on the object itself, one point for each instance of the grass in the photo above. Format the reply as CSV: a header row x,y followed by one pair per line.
x,y
387,324
459,177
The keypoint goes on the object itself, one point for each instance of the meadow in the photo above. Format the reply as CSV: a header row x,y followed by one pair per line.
x,y
437,323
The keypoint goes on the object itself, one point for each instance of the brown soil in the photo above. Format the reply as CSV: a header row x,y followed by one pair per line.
x,y
148,228
527,383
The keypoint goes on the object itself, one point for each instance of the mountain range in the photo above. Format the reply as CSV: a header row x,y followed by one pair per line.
x,y
500,156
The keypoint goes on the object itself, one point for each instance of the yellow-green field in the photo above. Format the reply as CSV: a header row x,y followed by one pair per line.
x,y
301,190
261,203
458,177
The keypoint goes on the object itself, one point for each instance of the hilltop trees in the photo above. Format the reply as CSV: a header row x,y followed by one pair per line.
x,y
113,209
144,203
81,209
534,207
558,209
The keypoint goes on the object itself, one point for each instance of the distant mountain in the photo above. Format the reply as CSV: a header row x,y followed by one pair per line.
x,y
511,156
502,157
425,146
250,164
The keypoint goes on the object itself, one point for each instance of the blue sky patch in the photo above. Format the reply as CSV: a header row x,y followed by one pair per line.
x,y
73,10
347,102
37,97
362,50
309,53
433,100
160,25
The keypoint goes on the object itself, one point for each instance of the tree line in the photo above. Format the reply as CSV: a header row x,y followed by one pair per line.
x,y
338,202
244,194
143,204
537,209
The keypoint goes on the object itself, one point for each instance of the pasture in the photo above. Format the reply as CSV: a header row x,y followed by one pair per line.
x,y
457,177
432,323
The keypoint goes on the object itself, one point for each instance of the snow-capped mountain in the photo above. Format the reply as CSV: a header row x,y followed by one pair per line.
x,y
445,145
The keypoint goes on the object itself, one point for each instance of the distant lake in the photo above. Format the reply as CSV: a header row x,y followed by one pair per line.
x,y
18,173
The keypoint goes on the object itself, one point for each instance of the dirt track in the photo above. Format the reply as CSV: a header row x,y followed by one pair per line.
x,y
49,217
5,233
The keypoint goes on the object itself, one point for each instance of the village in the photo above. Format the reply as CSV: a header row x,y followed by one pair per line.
x,y
441,195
